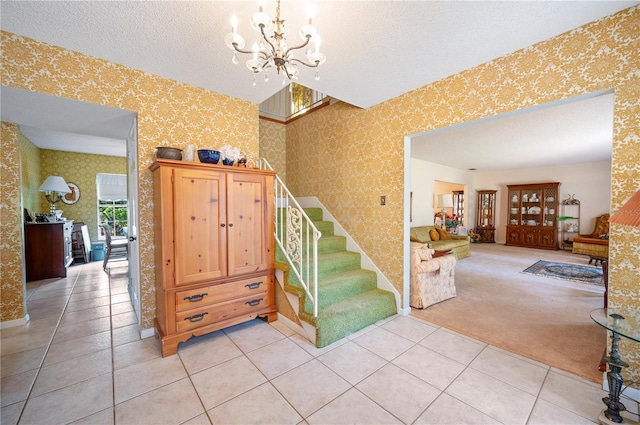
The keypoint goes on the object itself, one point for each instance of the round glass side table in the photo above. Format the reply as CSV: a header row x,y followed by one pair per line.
x,y
621,322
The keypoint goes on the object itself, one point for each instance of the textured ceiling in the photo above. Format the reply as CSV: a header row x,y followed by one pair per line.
x,y
569,132
376,50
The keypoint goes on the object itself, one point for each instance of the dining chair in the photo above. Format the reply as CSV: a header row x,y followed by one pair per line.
x,y
115,249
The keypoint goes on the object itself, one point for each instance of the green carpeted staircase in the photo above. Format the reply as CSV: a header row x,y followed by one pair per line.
x,y
348,297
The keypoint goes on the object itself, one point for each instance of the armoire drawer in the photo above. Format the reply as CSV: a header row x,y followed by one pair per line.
x,y
212,294
197,317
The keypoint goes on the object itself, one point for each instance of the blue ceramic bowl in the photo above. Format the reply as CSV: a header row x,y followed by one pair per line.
x,y
209,155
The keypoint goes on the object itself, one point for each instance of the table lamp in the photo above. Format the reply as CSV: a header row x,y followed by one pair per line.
x,y
54,187
445,201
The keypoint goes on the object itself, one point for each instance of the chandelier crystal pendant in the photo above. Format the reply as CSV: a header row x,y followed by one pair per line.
x,y
271,51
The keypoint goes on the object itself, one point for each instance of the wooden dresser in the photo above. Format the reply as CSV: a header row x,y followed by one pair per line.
x,y
214,248
47,249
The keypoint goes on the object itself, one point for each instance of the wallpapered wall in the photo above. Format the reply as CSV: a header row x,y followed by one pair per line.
x,y
11,271
80,169
598,56
273,144
169,114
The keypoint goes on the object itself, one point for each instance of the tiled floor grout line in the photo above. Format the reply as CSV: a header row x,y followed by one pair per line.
x,y
467,366
388,362
46,351
546,376
113,359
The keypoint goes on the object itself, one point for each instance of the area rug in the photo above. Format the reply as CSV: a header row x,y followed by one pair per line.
x,y
565,271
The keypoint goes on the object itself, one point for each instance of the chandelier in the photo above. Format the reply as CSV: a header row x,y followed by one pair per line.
x,y
271,50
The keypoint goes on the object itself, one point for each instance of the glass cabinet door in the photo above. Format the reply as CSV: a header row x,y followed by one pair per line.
x,y
515,209
458,206
486,208
486,215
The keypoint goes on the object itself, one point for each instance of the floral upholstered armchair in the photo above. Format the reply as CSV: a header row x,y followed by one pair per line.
x,y
596,243
432,279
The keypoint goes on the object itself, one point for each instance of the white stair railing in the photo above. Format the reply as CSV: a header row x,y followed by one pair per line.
x,y
297,237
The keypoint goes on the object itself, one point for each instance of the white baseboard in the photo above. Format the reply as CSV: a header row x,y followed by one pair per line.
x,y
146,333
13,323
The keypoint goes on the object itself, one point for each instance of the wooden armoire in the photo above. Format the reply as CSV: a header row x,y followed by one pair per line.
x,y
214,248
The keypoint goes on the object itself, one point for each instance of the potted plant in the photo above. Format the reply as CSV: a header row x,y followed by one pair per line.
x,y
229,154
451,221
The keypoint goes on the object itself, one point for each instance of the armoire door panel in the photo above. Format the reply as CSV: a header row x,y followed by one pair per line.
x,y
246,226
200,238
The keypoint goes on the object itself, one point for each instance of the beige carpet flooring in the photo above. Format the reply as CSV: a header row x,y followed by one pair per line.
x,y
537,317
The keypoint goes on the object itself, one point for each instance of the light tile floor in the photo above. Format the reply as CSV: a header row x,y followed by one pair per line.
x,y
80,360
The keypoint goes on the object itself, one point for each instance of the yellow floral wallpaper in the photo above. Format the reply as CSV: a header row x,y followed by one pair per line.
x,y
30,175
273,144
11,271
170,113
80,169
348,157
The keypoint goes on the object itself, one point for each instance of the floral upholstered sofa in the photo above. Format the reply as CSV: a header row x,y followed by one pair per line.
x,y
432,279
458,244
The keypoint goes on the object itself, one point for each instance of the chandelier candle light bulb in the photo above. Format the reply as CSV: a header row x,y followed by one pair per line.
x,y
234,24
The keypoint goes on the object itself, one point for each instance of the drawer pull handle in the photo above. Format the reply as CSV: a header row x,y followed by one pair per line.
x,y
254,303
253,285
195,298
196,317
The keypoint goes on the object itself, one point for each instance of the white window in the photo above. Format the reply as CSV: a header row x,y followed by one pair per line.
x,y
113,208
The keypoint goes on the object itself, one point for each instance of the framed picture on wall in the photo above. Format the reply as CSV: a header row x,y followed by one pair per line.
x,y
74,196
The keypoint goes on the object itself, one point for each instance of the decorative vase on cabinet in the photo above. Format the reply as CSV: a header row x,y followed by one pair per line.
x,y
485,215
214,248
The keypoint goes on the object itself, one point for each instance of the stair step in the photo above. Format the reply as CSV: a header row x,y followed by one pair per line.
x,y
339,286
329,264
331,243
337,262
325,227
314,214
345,317
326,245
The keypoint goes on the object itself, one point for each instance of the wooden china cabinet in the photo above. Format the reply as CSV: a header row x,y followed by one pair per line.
x,y
214,248
532,211
486,215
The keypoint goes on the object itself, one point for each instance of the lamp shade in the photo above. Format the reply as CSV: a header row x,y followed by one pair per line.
x,y
55,184
629,213
445,201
